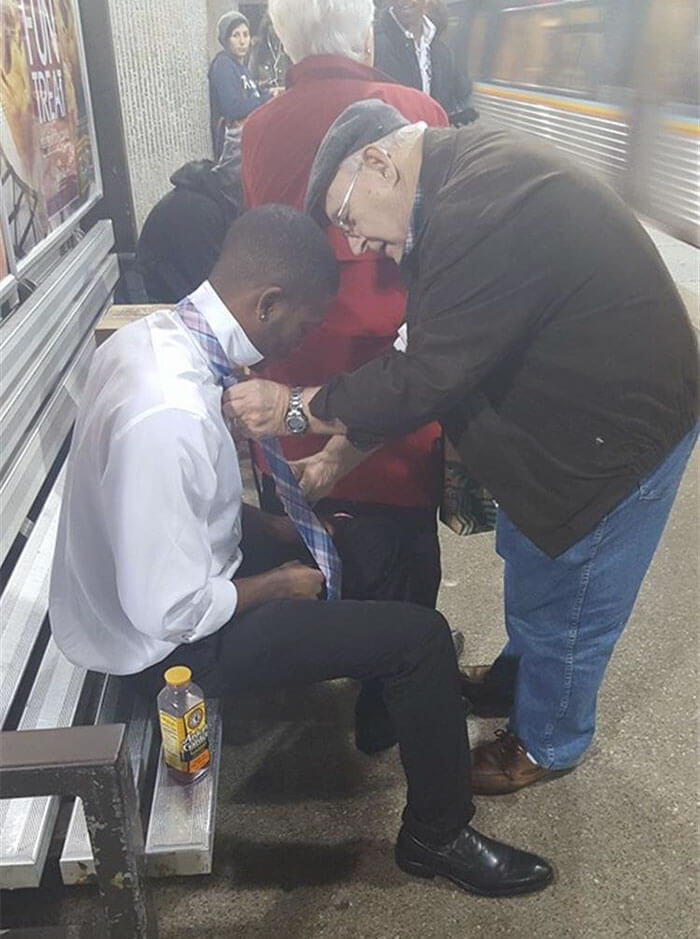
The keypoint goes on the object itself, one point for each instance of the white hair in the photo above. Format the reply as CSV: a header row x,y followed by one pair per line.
x,y
323,27
398,139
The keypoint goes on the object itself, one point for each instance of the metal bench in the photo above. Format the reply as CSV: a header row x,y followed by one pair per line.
x,y
67,732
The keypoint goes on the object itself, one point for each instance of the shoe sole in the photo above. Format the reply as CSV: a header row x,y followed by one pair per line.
x,y
550,777
416,869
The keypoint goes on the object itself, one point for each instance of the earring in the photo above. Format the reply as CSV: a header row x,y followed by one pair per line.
x,y
263,316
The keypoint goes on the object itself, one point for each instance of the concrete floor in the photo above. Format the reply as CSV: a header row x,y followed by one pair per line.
x,y
306,825
683,261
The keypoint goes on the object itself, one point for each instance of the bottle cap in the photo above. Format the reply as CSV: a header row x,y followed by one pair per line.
x,y
178,675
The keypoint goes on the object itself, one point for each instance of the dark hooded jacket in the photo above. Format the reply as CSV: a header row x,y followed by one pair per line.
x,y
182,235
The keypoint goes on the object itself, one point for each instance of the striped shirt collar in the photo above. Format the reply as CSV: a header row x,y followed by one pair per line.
x,y
414,223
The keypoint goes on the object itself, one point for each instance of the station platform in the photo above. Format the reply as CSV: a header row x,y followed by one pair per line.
x,y
306,825
683,261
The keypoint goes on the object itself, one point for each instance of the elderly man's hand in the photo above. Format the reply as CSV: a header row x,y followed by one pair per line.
x,y
317,474
257,407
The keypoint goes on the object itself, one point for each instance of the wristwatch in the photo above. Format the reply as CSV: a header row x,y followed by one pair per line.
x,y
295,420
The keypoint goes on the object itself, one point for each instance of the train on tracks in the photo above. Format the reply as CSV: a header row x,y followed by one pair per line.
x,y
614,83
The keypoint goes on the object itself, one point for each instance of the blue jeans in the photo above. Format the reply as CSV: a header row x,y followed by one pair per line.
x,y
565,614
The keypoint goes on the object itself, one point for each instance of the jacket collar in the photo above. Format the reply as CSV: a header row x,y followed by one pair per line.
x,y
334,66
439,146
428,32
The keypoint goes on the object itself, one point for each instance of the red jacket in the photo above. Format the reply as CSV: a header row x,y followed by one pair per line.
x,y
280,141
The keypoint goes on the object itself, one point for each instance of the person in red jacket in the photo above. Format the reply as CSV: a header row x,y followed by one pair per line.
x,y
398,487
402,480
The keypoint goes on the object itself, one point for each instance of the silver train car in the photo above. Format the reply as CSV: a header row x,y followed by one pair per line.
x,y
614,83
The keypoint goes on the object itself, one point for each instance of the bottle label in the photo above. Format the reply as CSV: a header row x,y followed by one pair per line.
x,y
185,739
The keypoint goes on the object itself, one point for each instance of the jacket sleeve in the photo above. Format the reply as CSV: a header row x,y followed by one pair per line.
x,y
472,308
234,103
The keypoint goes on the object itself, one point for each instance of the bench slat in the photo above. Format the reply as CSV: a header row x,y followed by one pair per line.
x,y
25,599
26,825
20,485
180,839
77,863
25,333
22,401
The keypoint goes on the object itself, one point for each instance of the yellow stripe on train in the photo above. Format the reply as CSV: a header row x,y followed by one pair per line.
x,y
562,104
685,128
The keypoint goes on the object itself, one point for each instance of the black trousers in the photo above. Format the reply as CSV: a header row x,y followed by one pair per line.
x,y
406,647
409,535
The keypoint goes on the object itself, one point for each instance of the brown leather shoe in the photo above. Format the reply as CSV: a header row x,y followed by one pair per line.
x,y
502,766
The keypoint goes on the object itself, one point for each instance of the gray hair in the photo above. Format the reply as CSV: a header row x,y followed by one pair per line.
x,y
396,140
323,27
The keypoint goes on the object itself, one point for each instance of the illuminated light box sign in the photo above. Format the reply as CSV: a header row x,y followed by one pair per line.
x,y
48,156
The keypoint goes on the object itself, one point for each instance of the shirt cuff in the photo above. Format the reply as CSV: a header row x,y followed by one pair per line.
x,y
224,600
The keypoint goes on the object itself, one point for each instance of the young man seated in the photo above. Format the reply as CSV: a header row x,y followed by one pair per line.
x,y
150,570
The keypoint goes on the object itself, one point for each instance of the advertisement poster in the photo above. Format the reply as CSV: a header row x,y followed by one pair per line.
x,y
47,150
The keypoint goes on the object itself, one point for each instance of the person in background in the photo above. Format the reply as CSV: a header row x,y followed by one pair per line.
x,y
233,92
152,565
183,233
398,488
407,47
268,60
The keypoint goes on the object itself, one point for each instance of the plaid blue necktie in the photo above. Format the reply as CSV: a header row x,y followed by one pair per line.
x,y
312,532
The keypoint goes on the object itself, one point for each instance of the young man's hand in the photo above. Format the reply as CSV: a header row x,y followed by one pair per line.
x,y
299,582
292,581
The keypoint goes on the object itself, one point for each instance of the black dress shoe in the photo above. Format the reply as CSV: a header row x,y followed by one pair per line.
x,y
475,863
484,698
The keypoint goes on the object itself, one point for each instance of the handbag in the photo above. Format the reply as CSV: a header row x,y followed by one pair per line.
x,y
466,507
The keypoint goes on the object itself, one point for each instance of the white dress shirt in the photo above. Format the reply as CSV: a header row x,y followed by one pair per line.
x,y
150,527
421,45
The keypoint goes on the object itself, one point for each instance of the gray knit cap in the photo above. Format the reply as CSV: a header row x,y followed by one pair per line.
x,y
227,23
358,126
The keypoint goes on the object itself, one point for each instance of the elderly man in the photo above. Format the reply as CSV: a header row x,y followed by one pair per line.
x,y
392,497
546,334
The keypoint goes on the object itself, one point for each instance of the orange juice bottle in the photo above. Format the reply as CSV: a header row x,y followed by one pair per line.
x,y
183,726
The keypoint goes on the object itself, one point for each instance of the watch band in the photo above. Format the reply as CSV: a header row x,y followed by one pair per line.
x,y
296,420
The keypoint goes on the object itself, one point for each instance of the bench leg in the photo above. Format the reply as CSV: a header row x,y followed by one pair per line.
x,y
116,836
93,763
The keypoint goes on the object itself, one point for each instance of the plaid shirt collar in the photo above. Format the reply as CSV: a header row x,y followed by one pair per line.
x,y
414,223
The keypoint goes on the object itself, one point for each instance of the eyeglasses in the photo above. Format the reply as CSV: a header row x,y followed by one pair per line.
x,y
339,220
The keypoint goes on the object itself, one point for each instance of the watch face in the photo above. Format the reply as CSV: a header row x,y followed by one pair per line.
x,y
296,423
